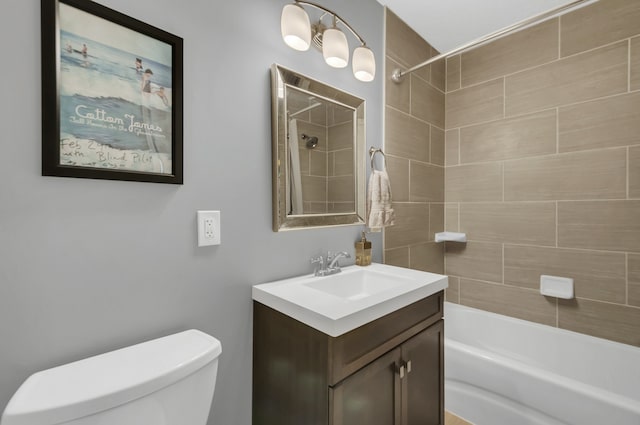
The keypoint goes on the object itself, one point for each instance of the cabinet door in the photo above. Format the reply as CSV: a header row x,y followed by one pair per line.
x,y
370,396
423,382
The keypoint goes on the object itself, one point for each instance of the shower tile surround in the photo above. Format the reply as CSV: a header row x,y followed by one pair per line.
x,y
541,168
415,150
326,170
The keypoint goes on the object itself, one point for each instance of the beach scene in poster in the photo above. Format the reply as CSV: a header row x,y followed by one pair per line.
x,y
115,91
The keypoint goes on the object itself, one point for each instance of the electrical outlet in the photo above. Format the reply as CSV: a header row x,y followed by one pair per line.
x,y
208,228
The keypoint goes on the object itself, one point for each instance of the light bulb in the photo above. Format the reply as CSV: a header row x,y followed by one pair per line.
x,y
335,48
363,64
295,27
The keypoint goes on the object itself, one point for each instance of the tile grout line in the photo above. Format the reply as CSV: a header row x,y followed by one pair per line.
x,y
545,109
430,144
543,156
459,153
628,166
538,65
431,85
609,303
557,129
410,95
429,223
400,111
537,291
527,202
557,224
502,171
561,248
504,97
629,66
559,37
626,277
460,71
446,74
444,255
409,179
503,265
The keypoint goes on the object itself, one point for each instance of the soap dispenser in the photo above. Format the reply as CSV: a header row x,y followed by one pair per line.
x,y
363,251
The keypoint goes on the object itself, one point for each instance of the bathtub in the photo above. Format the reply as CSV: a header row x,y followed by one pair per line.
x,y
505,371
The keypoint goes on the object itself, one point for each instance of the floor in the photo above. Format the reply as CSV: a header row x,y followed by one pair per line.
x,y
451,419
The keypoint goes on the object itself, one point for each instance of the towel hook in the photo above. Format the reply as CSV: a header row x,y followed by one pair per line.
x,y
372,153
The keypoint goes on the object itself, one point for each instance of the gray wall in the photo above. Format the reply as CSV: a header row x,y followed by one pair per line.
x,y
87,266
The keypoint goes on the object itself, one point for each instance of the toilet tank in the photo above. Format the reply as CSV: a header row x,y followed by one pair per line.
x,y
166,381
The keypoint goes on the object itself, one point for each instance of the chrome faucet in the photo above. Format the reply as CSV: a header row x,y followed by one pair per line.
x,y
330,265
333,260
321,268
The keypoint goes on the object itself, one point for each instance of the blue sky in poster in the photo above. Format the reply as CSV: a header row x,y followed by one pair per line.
x,y
86,25
106,80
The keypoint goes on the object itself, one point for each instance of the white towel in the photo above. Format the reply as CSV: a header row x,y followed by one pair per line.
x,y
380,213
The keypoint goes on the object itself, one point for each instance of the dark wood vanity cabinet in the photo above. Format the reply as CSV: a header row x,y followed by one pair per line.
x,y
387,372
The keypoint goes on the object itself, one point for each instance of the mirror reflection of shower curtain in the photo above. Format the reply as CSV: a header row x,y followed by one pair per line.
x,y
294,200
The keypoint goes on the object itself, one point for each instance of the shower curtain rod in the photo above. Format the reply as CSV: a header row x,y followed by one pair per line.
x,y
305,109
398,74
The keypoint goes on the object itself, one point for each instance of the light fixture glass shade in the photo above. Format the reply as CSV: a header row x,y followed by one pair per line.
x,y
364,64
295,27
335,48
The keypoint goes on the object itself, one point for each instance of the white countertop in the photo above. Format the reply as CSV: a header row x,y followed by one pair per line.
x,y
336,314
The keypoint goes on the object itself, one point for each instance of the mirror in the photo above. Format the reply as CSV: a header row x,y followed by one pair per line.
x,y
318,148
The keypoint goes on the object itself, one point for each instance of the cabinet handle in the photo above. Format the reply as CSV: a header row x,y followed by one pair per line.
x,y
409,366
401,371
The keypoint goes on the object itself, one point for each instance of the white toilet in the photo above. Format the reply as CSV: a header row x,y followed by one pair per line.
x,y
166,381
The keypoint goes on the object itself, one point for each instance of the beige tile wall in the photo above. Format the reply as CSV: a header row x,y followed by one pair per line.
x,y
523,136
452,147
584,76
525,49
415,150
633,274
313,162
634,172
634,79
542,154
609,122
508,300
327,169
602,23
340,193
470,105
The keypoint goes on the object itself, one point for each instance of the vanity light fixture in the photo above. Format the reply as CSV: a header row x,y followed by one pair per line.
x,y
295,25
298,33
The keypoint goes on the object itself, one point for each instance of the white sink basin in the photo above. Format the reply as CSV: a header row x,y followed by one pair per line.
x,y
357,284
341,302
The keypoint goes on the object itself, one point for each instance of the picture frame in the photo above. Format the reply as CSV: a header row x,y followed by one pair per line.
x,y
112,95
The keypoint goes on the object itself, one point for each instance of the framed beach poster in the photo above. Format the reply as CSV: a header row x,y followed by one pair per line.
x,y
111,95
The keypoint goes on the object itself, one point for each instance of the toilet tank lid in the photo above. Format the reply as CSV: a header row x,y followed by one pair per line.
x,y
107,380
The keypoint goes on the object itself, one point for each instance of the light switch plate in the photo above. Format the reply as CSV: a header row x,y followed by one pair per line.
x,y
208,228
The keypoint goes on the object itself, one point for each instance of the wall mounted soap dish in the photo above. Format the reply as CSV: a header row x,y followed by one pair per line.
x,y
451,237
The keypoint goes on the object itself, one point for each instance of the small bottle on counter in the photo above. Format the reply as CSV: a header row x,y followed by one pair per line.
x,y
363,251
